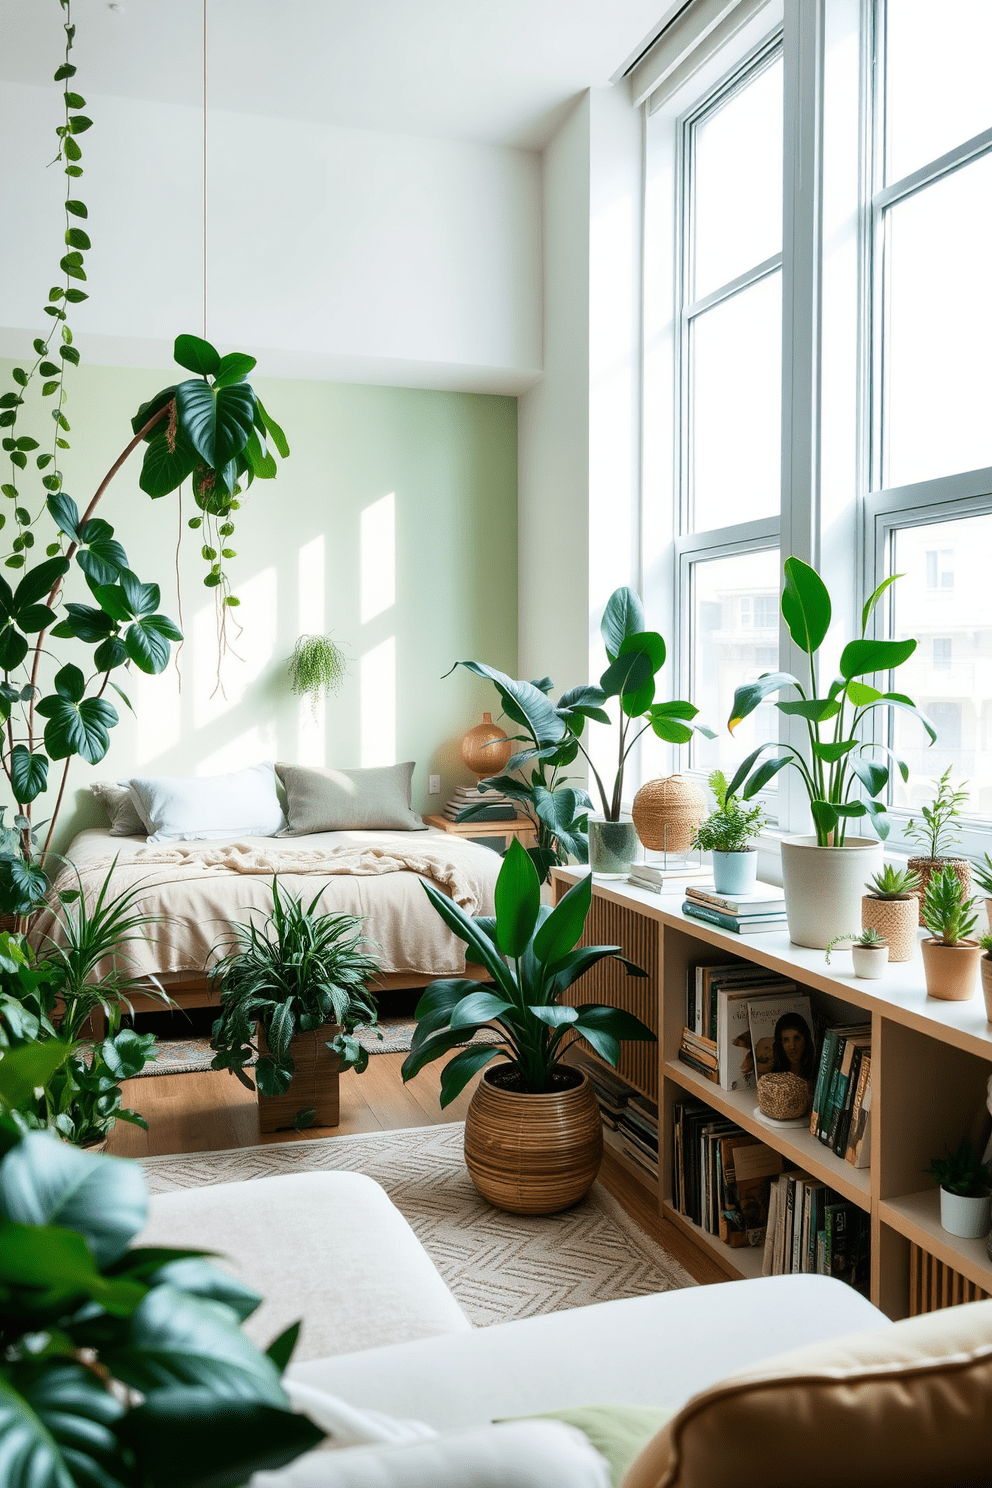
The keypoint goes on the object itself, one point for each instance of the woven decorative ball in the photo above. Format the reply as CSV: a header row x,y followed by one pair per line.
x,y
667,812
784,1097
485,748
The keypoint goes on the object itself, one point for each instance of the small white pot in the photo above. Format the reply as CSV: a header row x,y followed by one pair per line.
x,y
968,1218
869,961
823,886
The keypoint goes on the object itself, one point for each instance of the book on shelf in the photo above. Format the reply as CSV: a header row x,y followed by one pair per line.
x,y
765,899
486,814
858,1152
733,1035
782,1034
812,1229
708,1071
704,983
737,925
746,1192
833,1079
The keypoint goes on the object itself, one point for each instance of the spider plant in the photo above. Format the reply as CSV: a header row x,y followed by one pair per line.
x,y
529,950
290,973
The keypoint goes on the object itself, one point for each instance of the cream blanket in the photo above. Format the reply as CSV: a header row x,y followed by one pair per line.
x,y
198,890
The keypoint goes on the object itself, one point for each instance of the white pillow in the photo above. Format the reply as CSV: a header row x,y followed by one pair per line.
x,y
179,808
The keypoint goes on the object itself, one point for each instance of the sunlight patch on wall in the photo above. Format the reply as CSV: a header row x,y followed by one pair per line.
x,y
249,653
311,722
157,707
378,705
377,558
250,748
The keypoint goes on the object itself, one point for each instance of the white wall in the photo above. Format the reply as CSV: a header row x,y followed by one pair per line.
x,y
333,253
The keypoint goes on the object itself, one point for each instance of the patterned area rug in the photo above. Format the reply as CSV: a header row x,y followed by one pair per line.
x,y
499,1266
193,1055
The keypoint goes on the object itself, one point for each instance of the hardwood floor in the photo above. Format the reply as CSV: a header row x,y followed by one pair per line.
x,y
212,1111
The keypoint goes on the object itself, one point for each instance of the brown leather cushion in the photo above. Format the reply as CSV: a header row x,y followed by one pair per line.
x,y
904,1407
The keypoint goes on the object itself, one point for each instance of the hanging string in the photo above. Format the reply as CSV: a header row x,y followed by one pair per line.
x,y
204,169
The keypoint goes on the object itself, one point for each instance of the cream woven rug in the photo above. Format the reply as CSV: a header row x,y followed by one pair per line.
x,y
499,1266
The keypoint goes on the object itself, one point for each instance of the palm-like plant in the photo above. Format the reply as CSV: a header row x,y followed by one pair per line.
x,y
532,954
292,972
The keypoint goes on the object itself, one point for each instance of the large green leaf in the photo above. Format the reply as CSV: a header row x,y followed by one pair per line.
x,y
906,705
622,617
77,728
197,1278
815,710
859,658
57,1428
13,648
45,1181
102,558
478,1007
458,1071
618,1021
215,421
48,1269
873,599
446,993
89,624
271,428
23,1070
562,930
518,899
630,678
65,513
433,1048
186,1438
481,950
167,463
39,581
233,368
196,355
523,703
158,404
805,605
146,642
28,773
750,694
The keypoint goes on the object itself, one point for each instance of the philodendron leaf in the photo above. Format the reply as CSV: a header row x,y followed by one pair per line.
x,y
196,355
562,930
28,773
23,1070
147,642
622,617
523,703
167,463
57,1428
750,694
233,368
215,421
45,1181
65,513
77,728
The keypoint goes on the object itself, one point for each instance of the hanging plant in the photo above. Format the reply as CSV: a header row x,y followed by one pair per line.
x,y
317,668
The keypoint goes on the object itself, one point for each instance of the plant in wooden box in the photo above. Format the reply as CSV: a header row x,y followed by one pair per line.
x,y
122,1365
533,1134
965,1191
869,952
950,958
890,907
727,833
823,874
934,831
293,989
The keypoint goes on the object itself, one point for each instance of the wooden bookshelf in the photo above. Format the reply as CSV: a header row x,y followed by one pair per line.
x,y
931,1062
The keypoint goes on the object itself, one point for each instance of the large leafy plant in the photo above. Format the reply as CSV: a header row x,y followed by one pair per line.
x,y
839,758
292,972
210,428
532,954
122,1367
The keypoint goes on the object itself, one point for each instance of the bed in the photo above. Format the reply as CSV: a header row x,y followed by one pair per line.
x,y
199,889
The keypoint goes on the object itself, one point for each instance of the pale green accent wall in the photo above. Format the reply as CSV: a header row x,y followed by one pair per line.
x,y
449,460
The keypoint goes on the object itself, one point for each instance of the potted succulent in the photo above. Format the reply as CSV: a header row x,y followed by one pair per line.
x,y
869,952
982,874
934,832
965,1192
823,874
986,966
890,907
727,833
533,1134
950,958
293,989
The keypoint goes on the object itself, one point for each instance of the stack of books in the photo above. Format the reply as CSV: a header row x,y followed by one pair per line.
x,y
721,1175
725,1007
812,1229
653,876
630,1119
841,1115
744,914
497,807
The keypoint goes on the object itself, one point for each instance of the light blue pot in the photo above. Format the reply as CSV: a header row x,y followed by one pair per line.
x,y
735,872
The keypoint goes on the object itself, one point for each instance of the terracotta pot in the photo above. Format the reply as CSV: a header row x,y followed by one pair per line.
x,y
823,886
314,1083
927,867
951,971
894,919
533,1154
986,965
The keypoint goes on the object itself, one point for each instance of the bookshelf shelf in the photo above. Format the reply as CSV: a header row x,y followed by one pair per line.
x,y
917,1217
931,1063
800,1147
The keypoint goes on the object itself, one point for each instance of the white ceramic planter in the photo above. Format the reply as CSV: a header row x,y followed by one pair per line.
x,y
735,872
823,886
968,1218
869,961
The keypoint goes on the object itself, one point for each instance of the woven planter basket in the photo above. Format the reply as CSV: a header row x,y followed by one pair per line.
x,y
927,867
784,1097
895,920
667,813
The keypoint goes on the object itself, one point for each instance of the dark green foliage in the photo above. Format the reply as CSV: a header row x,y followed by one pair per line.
x,y
962,1172
529,950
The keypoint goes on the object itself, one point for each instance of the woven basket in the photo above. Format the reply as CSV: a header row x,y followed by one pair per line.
x,y
667,812
927,867
895,920
784,1097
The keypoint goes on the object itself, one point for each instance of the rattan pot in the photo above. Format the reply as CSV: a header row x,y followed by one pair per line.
x,y
533,1154
485,748
784,1097
927,867
895,920
667,813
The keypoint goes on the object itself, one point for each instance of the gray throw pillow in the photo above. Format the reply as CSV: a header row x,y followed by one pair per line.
x,y
319,800
118,803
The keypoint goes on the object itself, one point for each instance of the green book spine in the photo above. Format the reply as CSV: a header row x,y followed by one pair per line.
x,y
822,1075
827,1108
844,1123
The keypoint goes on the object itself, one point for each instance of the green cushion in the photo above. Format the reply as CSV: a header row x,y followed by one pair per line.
x,y
618,1432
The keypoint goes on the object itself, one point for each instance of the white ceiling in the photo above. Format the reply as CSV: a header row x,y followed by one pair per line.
x,y
487,71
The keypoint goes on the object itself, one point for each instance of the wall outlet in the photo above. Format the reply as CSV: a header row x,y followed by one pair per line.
x,y
434,785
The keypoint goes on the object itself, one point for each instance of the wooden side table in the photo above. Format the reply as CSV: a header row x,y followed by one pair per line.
x,y
520,827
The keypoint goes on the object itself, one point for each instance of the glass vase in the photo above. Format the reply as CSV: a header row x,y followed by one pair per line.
x,y
614,846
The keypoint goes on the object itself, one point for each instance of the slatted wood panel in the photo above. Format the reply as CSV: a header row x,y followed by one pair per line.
x,y
933,1284
615,924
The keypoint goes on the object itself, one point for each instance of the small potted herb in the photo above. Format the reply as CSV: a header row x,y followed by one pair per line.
x,y
869,953
982,874
891,907
950,958
986,965
727,833
934,831
965,1192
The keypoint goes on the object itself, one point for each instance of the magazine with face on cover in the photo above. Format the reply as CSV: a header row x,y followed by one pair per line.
x,y
783,1038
